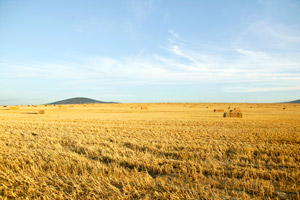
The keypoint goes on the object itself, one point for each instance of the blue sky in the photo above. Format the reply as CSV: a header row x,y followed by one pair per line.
x,y
149,51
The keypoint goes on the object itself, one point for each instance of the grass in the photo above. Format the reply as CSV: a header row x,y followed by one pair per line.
x,y
171,151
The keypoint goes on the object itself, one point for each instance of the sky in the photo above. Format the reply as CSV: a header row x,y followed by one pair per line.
x,y
149,50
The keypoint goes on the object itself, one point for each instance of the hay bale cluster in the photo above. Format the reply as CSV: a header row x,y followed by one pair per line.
x,y
235,113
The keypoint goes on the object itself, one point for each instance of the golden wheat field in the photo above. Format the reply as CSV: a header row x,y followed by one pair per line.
x,y
150,151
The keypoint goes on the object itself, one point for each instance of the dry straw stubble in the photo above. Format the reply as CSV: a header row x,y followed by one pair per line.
x,y
144,108
218,110
172,152
14,108
41,112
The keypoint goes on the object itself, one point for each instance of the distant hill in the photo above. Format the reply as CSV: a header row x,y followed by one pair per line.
x,y
296,101
79,100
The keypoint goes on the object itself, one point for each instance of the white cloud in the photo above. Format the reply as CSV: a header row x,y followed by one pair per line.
x,y
253,54
269,34
174,34
183,64
175,49
261,89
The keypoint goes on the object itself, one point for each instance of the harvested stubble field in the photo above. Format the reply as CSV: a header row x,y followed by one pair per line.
x,y
170,151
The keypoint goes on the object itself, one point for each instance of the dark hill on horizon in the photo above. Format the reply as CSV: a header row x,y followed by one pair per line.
x,y
79,100
296,101
83,100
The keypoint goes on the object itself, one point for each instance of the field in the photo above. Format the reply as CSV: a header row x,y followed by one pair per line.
x,y
150,151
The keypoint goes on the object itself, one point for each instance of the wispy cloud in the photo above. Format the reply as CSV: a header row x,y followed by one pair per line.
x,y
181,63
262,89
266,33
174,34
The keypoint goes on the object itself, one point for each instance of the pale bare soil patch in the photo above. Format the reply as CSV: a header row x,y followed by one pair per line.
x,y
167,151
